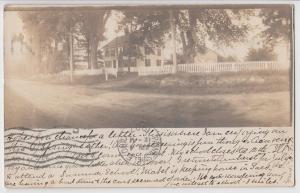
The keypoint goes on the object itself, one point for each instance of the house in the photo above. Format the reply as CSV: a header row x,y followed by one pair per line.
x,y
208,56
126,55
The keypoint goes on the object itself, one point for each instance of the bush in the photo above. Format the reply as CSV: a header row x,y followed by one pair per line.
x,y
227,82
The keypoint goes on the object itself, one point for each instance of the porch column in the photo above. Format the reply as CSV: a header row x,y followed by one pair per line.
x,y
117,66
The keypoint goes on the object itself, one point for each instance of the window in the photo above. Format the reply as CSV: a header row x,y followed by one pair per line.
x,y
114,64
119,50
147,62
135,50
120,63
158,62
130,63
108,64
159,52
125,63
112,52
147,51
106,53
133,64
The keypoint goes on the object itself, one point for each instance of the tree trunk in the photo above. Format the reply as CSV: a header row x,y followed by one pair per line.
x,y
71,55
88,50
94,47
39,55
184,46
192,36
55,61
173,40
129,60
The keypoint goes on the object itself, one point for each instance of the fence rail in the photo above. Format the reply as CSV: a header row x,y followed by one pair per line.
x,y
112,71
125,69
155,70
191,68
231,67
109,71
215,67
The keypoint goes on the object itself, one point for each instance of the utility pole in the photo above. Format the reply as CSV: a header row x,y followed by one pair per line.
x,y
172,23
71,55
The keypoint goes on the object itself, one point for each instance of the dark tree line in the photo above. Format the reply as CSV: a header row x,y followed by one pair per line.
x,y
48,29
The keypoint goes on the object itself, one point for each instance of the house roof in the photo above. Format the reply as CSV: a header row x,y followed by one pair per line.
x,y
135,38
207,49
121,40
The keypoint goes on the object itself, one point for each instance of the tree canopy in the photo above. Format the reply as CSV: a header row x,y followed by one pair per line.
x,y
48,28
194,26
260,54
278,23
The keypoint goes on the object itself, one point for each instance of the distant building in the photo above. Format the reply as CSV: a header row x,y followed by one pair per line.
x,y
208,56
121,53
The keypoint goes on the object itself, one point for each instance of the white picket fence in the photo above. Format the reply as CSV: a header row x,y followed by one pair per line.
x,y
112,71
125,69
191,68
109,71
231,67
83,72
215,67
155,70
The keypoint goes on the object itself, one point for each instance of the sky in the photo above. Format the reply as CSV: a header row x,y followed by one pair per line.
x,y
14,25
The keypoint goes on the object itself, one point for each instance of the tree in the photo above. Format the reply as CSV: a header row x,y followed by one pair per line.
x,y
194,25
278,21
46,30
227,59
143,28
92,26
198,25
260,54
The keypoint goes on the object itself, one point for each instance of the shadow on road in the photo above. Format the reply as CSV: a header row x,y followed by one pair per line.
x,y
153,112
20,113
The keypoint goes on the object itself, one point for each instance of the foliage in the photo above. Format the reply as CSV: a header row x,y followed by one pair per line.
x,y
91,25
278,22
151,26
260,54
194,26
47,29
227,59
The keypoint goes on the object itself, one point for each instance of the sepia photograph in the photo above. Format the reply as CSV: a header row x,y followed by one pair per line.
x,y
149,95
148,66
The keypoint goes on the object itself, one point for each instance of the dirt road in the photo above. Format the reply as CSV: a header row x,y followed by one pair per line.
x,y
34,104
